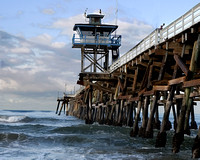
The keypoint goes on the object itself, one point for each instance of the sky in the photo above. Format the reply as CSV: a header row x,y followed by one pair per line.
x,y
37,62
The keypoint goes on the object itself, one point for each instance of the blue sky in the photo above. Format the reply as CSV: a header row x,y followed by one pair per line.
x,y
36,58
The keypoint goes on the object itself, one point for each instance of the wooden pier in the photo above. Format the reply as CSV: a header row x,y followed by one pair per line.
x,y
162,71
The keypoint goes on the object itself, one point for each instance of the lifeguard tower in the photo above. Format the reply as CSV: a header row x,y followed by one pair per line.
x,y
96,41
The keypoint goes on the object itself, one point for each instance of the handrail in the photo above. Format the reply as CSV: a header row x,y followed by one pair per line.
x,y
98,40
158,36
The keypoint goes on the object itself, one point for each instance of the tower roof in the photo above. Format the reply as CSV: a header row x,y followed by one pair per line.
x,y
95,16
99,28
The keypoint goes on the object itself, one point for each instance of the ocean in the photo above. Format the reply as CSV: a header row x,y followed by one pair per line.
x,y
43,135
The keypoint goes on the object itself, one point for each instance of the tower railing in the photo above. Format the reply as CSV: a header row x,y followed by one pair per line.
x,y
189,19
112,40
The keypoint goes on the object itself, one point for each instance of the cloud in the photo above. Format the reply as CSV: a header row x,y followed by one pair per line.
x,y
66,24
48,11
34,68
37,68
8,84
132,33
43,39
20,50
58,44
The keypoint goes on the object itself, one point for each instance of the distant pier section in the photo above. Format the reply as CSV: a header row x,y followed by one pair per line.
x,y
160,72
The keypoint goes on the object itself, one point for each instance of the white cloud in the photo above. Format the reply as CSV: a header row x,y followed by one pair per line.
x,y
46,70
132,33
11,100
66,24
58,44
20,50
44,39
8,84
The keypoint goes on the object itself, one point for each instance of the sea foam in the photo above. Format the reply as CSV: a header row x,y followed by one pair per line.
x,y
12,119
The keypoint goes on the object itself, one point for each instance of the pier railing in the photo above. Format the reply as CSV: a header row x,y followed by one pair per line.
x,y
145,44
184,22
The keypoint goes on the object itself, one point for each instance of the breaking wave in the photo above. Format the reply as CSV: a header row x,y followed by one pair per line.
x,y
14,119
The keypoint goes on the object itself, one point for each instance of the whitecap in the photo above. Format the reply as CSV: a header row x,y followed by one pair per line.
x,y
11,119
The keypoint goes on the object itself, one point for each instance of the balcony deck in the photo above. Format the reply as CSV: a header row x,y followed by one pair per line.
x,y
91,41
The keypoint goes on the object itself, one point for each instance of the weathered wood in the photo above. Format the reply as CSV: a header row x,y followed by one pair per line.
x,y
61,108
135,80
119,121
149,93
181,64
146,75
149,83
133,99
66,108
196,146
135,129
186,104
127,97
177,80
191,83
116,91
144,117
149,129
140,93
57,106
101,88
120,84
116,113
161,52
157,64
193,122
130,114
175,117
193,65
89,108
160,88
162,135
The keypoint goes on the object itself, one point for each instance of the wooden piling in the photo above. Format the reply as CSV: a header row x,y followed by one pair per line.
x,y
149,129
162,135
196,146
135,129
179,135
144,117
57,106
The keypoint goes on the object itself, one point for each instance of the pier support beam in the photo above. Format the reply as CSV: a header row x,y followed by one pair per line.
x,y
196,146
162,135
135,129
57,106
149,129
179,135
88,119
144,117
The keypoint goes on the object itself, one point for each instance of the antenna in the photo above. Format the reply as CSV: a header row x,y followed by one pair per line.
x,y
85,14
116,12
116,15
